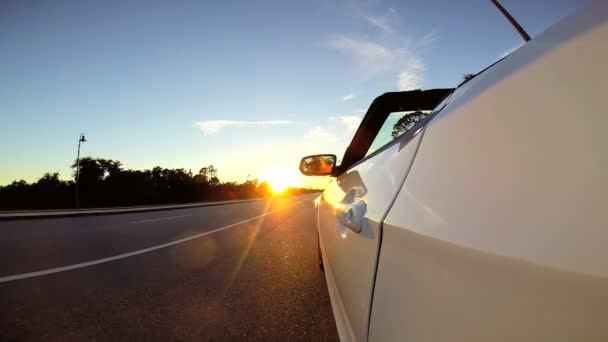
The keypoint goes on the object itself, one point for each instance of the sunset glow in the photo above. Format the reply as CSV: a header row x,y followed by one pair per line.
x,y
280,179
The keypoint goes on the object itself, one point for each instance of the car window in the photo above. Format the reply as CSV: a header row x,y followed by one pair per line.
x,y
396,124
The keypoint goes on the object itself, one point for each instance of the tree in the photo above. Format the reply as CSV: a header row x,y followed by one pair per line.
x,y
109,166
264,189
16,195
407,121
467,77
49,180
208,174
90,171
104,182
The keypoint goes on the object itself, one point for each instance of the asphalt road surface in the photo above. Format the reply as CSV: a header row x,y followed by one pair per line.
x,y
243,271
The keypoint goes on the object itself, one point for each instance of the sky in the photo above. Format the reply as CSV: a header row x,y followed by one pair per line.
x,y
244,85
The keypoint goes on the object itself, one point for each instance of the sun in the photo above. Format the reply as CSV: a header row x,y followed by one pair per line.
x,y
280,179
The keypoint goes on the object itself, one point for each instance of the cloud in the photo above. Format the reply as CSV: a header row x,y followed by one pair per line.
x,y
408,81
381,23
372,58
347,97
428,39
388,53
350,122
320,134
411,74
211,127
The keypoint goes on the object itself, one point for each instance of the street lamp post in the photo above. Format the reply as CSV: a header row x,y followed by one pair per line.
x,y
81,139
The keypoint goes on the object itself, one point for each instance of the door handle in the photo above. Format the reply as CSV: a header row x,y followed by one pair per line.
x,y
351,212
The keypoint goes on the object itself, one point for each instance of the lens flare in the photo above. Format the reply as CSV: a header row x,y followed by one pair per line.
x,y
280,179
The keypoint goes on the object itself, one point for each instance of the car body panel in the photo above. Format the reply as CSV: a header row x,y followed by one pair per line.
x,y
433,290
350,258
499,232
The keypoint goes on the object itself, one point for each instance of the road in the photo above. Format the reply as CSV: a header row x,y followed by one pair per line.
x,y
244,271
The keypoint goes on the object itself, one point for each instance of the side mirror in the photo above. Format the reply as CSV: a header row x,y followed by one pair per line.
x,y
318,165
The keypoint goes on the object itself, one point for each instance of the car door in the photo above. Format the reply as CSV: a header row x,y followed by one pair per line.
x,y
500,232
350,213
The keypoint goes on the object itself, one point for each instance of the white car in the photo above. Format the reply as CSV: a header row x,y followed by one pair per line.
x,y
485,220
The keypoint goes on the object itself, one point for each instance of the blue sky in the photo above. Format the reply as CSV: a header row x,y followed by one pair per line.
x,y
245,86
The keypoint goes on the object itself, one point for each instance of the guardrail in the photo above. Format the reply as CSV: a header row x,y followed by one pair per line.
x,y
38,214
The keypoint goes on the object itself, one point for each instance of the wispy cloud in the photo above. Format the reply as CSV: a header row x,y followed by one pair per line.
x,y
347,97
381,23
211,127
388,52
370,57
411,74
428,38
350,122
374,59
320,134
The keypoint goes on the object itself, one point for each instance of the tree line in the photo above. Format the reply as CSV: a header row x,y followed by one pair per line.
x,y
105,183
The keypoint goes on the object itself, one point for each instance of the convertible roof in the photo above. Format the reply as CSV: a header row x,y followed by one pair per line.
x,y
379,111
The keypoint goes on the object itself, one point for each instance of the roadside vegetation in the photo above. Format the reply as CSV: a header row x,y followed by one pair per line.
x,y
105,183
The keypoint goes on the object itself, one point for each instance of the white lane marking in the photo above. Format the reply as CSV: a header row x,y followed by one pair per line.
x,y
160,219
126,255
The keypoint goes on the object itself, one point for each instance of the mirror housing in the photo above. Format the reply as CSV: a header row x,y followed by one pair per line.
x,y
318,165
